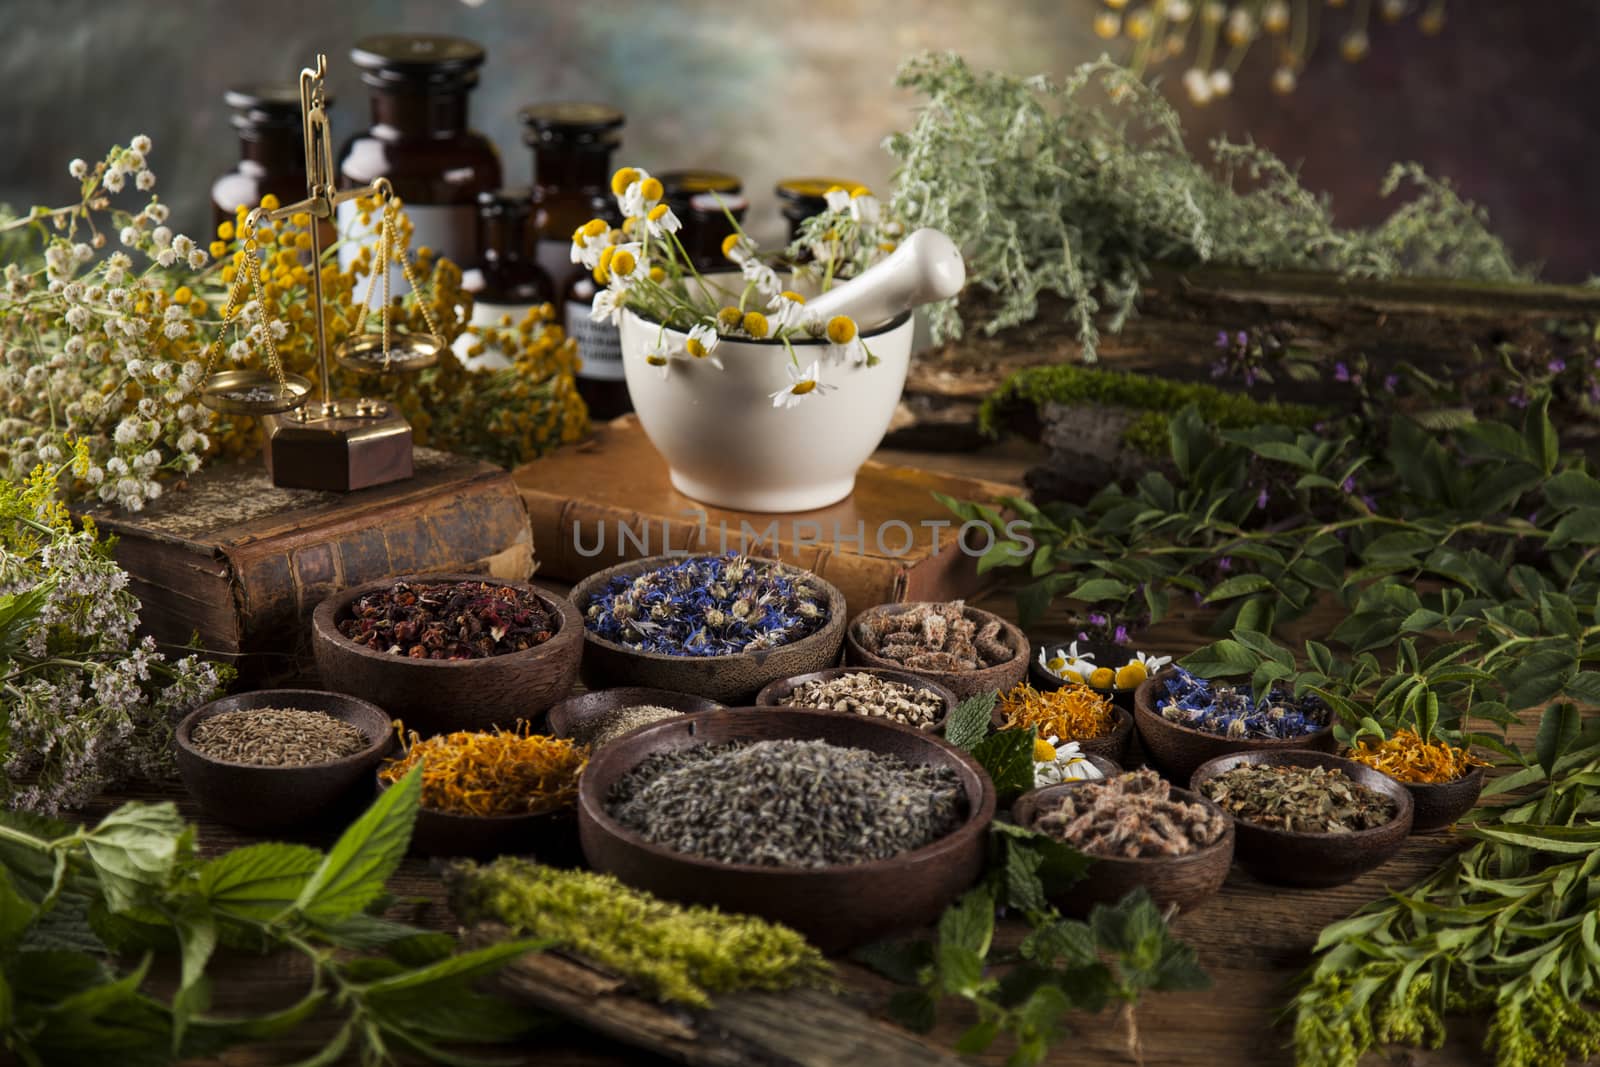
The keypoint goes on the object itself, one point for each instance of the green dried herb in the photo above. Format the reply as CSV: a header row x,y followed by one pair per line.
x,y
1302,800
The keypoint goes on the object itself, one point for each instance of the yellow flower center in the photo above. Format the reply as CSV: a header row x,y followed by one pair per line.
x,y
1103,678
1130,674
728,244
658,275
729,318
755,324
841,329
651,189
1043,751
860,190
606,255
802,388
655,360
622,263
695,348
595,227
628,225
790,294
1056,664
656,213
622,179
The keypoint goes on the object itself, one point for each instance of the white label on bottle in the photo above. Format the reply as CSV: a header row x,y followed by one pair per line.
x,y
599,344
450,231
486,314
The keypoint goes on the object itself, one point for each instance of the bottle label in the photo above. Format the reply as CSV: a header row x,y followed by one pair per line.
x,y
450,231
599,344
484,314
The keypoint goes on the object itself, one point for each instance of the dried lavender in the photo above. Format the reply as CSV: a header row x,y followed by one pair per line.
x,y
787,803
448,620
709,606
870,695
935,637
1230,710
276,737
1305,800
610,725
1132,816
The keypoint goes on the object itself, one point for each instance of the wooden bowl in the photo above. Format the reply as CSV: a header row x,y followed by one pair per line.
x,y
963,684
1438,805
1182,880
568,717
438,696
1287,857
776,693
276,798
835,907
1104,653
724,679
1113,746
550,836
1177,750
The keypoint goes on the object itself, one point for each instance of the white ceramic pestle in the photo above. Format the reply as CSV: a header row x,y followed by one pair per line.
x,y
926,267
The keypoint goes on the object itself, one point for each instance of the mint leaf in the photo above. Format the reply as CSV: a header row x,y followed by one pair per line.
x,y
258,881
969,723
898,961
1060,865
197,939
361,861
1147,954
969,922
135,849
960,969
1008,757
460,968
913,1009
979,1037
16,914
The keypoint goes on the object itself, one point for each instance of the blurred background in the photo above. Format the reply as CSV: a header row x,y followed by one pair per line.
x,y
1502,100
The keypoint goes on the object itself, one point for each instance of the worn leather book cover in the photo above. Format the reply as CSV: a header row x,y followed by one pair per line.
x,y
609,500
241,564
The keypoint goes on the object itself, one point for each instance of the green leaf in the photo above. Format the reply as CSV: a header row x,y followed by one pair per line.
x,y
258,881
969,922
460,968
1221,659
1096,589
1541,436
1399,544
914,1009
1060,865
1558,728
18,611
978,1037
1572,489
1585,686
1283,452
1557,614
960,969
1420,620
1002,554
1565,839
135,849
332,1052
356,868
969,723
1579,526
898,961
1008,757
16,915
1239,585
197,939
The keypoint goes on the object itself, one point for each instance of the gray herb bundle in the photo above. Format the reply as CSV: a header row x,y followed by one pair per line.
x,y
1078,187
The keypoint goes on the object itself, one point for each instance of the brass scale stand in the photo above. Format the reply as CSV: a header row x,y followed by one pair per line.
x,y
337,444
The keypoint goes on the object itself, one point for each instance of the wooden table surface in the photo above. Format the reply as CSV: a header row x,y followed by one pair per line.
x,y
1253,939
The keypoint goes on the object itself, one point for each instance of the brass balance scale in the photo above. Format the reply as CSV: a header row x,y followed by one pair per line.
x,y
334,443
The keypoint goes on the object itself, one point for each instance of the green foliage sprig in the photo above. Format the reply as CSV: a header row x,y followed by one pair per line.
x,y
72,898
1078,187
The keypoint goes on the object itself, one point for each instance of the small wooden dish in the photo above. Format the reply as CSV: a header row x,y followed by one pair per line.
x,y
438,696
1438,805
1182,880
569,716
1177,750
549,836
776,693
1104,653
724,679
254,797
964,684
1287,857
1113,746
835,907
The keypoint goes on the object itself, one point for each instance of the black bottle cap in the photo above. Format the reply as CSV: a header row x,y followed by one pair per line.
x,y
267,104
687,183
810,191
417,60
575,123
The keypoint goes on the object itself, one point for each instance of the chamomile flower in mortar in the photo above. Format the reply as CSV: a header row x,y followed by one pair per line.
x,y
702,345
845,340
661,356
864,207
802,383
607,307
1055,762
763,277
1068,663
738,248
588,240
787,310
660,221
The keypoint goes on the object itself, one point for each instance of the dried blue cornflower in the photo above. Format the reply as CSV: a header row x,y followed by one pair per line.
x,y
1232,711
708,606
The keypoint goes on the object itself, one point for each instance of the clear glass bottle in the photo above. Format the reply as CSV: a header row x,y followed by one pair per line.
x,y
512,282
272,157
419,86
573,146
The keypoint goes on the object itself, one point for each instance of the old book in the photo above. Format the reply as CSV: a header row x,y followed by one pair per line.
x,y
610,500
241,564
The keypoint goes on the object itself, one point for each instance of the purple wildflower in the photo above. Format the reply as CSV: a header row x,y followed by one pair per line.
x,y
1557,365
1222,338
1533,518
1082,636
1121,636
1370,501
1097,619
1341,373
1242,338
1262,498
1224,563
1390,381
1349,484
1518,401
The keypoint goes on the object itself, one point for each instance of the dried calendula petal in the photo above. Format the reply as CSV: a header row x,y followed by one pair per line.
x,y
1072,713
1406,757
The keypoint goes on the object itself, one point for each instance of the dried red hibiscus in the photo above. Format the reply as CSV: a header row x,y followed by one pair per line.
x,y
448,620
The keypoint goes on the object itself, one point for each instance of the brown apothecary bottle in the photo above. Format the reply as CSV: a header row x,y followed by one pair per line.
x,y
272,156
420,139
512,282
804,197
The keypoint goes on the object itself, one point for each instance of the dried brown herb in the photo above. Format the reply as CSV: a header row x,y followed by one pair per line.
x,y
448,620
1306,800
871,695
935,637
1131,816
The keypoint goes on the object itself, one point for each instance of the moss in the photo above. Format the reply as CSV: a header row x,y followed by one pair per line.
x,y
1153,398
681,954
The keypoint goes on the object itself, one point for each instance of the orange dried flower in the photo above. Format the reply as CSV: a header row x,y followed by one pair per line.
x,y
1071,713
506,772
1406,757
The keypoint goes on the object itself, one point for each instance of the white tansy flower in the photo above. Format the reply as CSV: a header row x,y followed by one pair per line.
x,y
702,344
802,383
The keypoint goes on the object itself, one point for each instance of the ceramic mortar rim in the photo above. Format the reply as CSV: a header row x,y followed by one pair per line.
x,y
773,342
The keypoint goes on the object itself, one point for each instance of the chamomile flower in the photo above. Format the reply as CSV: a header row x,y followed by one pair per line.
x,y
838,197
738,248
661,356
802,383
787,310
1065,763
660,221
642,194
607,307
864,207
588,241
845,340
702,344
1067,662
763,277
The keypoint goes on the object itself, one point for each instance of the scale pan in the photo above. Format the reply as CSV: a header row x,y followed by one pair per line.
x,y
408,352
254,392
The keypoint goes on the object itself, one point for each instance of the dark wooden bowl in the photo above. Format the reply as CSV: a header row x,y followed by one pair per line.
x,y
1182,880
550,836
834,907
438,696
1113,746
1105,653
1314,860
1439,804
568,716
277,798
724,679
774,695
1177,750
963,684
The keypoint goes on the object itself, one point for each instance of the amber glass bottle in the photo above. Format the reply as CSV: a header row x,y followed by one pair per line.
x,y
707,225
513,283
419,85
804,197
573,144
681,187
272,157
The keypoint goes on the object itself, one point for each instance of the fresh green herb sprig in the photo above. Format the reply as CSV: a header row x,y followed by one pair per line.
x,y
74,899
